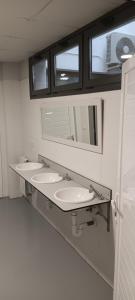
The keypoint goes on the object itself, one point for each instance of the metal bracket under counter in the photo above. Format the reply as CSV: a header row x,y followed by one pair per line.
x,y
78,180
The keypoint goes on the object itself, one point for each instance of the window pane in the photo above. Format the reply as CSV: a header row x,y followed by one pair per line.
x,y
111,49
67,67
40,75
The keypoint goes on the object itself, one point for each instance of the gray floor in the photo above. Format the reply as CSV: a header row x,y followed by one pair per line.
x,y
37,264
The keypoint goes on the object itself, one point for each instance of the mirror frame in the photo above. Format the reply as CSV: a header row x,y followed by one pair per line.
x,y
88,147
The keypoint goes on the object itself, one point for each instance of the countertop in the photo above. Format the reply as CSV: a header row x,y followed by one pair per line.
x,y
49,189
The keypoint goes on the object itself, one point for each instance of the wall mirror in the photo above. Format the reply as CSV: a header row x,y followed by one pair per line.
x,y
77,125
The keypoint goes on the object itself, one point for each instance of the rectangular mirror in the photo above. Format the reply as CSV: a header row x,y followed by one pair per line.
x,y
77,125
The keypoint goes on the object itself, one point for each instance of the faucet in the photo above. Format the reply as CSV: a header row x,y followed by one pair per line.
x,y
92,189
67,177
46,165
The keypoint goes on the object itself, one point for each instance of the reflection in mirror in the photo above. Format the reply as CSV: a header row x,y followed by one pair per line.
x,y
57,122
85,122
75,125
67,67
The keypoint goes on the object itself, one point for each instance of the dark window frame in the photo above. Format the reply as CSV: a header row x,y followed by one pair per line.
x,y
36,58
117,17
60,47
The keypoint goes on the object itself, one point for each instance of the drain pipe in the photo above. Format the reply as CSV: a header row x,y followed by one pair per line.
x,y
76,229
49,205
34,197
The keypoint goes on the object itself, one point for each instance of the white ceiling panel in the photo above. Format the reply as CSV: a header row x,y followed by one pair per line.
x,y
27,26
78,12
21,8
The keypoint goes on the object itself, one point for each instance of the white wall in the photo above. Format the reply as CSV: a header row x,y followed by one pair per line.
x,y
11,125
22,135
101,168
96,244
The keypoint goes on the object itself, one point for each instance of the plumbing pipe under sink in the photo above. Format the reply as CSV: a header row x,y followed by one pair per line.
x,y
76,229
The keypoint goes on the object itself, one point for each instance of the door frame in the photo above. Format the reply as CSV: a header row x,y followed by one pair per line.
x,y
3,146
128,66
1,177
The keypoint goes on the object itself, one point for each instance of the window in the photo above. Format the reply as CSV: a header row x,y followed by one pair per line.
x,y
39,75
88,60
67,65
111,49
107,45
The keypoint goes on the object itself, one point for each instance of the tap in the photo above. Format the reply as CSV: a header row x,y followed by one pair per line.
x,y
67,177
92,189
46,165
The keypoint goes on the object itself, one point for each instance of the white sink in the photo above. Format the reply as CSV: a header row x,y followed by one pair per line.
x,y
29,166
46,178
74,195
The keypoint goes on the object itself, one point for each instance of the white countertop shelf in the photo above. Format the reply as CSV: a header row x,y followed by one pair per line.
x,y
49,189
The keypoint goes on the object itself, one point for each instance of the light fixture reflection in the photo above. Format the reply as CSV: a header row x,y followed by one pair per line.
x,y
49,113
64,78
63,74
126,56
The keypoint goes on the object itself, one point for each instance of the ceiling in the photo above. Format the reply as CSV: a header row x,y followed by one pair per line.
x,y
27,26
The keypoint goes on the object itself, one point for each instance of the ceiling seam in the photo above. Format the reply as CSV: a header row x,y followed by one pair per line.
x,y
32,17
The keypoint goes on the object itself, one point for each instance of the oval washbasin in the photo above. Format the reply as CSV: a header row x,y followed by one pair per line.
x,y
29,166
46,178
74,195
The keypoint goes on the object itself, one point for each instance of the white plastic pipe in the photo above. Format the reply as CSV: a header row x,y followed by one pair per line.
x,y
34,197
49,205
76,229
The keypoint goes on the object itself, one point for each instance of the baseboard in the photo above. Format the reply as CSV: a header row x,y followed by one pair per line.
x,y
108,281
